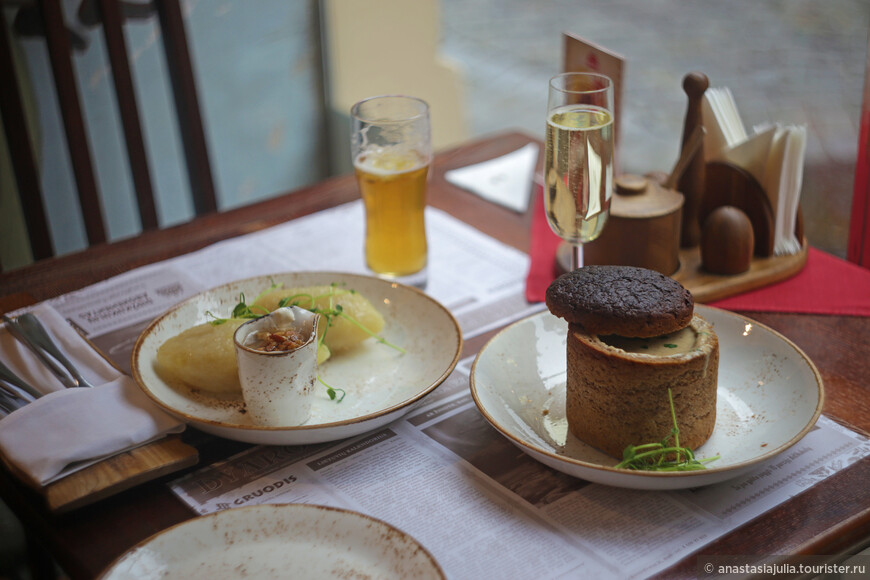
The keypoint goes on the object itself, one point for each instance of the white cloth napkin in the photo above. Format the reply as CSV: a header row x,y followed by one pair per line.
x,y
67,430
506,180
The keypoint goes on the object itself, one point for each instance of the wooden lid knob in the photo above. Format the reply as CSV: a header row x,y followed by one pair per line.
x,y
637,197
629,184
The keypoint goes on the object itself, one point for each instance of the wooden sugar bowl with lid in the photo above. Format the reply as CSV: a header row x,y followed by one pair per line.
x,y
643,229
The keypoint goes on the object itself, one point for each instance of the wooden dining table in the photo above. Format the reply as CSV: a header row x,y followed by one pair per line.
x,y
830,518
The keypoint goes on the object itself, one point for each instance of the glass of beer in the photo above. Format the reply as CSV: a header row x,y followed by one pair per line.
x,y
391,148
578,170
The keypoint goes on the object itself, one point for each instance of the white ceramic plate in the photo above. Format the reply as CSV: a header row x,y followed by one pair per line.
x,y
769,396
277,541
381,383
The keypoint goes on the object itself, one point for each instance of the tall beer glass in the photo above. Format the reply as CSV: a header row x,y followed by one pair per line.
x,y
391,148
578,169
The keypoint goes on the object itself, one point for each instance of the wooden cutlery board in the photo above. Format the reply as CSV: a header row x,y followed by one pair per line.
x,y
119,473
115,474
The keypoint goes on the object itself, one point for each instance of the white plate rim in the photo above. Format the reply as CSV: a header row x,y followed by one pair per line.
x,y
308,427
705,474
292,509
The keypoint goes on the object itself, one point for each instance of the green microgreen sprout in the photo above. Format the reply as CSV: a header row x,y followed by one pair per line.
x,y
242,309
332,311
332,391
663,456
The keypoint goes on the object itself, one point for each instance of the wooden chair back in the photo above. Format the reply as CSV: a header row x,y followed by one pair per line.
x,y
110,14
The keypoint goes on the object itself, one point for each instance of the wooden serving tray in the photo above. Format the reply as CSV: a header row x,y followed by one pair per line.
x,y
706,287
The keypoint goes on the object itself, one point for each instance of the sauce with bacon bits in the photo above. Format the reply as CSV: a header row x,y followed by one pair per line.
x,y
276,340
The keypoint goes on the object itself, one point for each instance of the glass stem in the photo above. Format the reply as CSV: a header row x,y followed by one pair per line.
x,y
576,256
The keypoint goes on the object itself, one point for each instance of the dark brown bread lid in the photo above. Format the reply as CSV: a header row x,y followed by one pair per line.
x,y
623,300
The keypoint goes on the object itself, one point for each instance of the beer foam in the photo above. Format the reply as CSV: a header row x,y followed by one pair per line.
x,y
382,161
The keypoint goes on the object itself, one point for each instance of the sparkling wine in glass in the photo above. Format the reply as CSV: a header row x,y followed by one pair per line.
x,y
578,170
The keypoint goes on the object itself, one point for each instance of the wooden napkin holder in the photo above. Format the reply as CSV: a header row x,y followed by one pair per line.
x,y
728,184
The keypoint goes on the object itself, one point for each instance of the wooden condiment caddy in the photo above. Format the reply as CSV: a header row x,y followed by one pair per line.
x,y
658,221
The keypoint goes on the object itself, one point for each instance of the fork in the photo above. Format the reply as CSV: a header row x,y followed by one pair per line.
x,y
30,331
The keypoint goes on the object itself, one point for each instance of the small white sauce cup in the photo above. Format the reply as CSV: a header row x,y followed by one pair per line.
x,y
278,386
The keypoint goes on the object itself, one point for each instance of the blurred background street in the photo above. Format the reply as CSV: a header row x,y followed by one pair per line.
x,y
794,61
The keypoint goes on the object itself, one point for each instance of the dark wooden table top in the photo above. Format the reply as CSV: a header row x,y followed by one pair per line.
x,y
832,517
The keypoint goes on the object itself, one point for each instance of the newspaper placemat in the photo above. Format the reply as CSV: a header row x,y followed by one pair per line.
x,y
485,509
441,473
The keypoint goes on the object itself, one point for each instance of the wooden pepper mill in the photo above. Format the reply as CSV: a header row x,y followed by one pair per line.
x,y
692,182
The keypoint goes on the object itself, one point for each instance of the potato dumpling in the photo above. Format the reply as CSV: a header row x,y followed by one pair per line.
x,y
202,357
343,334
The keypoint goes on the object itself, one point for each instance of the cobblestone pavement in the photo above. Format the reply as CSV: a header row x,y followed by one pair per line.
x,y
791,61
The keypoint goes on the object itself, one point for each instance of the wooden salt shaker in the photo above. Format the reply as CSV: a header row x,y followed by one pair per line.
x,y
727,241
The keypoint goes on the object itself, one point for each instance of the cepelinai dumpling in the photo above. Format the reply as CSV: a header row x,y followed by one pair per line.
x,y
342,334
203,357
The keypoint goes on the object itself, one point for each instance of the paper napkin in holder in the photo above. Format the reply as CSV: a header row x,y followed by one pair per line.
x,y
773,154
67,430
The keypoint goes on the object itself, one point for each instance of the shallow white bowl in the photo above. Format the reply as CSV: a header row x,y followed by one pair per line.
x,y
769,396
278,541
381,383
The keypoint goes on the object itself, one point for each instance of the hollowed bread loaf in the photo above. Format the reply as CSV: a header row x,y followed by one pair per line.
x,y
618,398
632,335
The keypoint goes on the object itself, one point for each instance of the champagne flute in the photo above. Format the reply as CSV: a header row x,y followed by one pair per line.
x,y
578,170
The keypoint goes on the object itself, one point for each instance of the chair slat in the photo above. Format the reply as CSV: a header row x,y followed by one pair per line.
x,y
60,55
187,106
21,151
129,110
